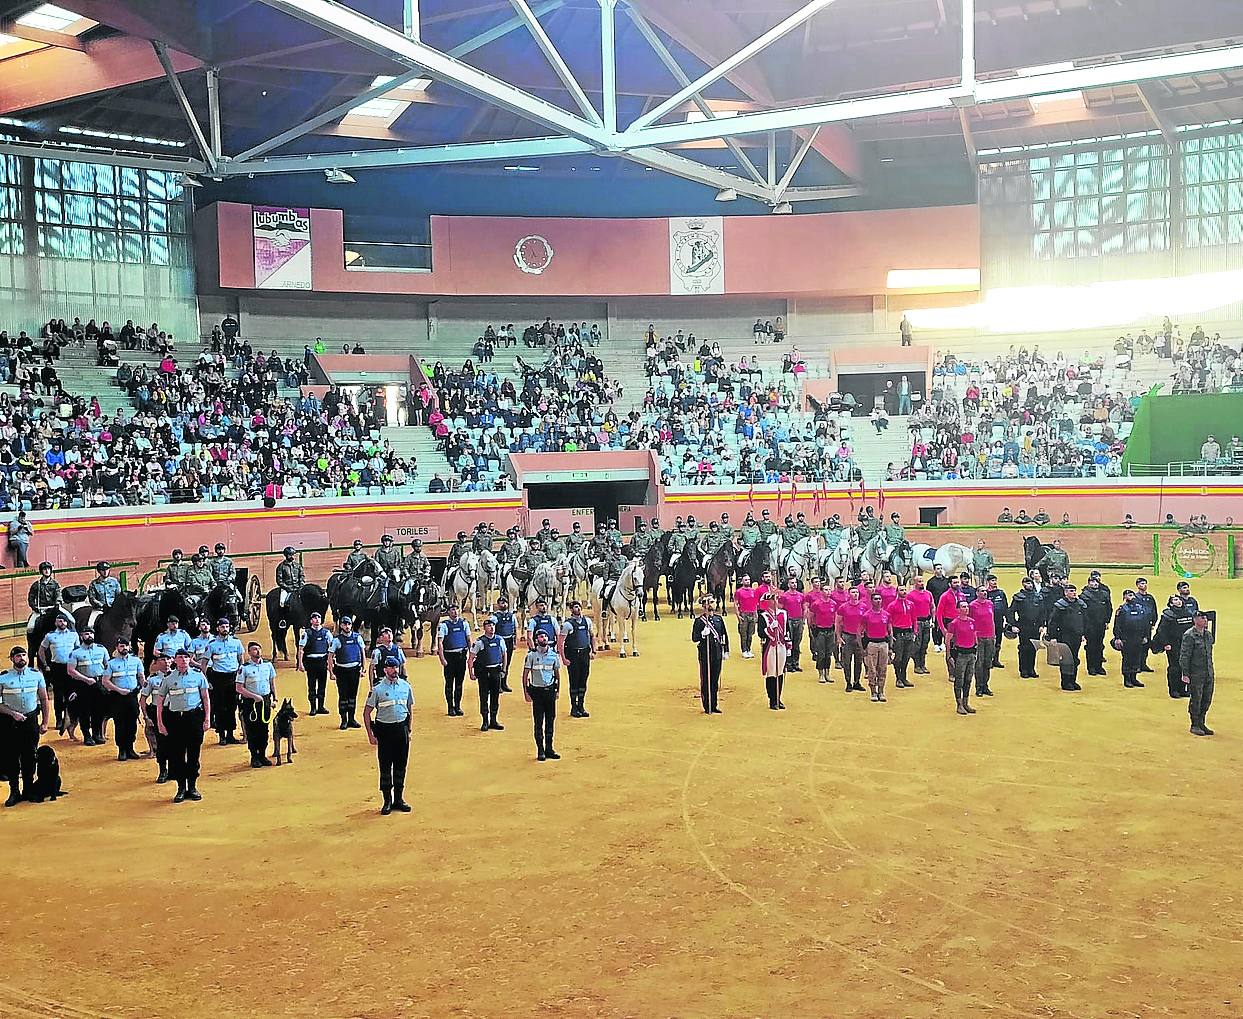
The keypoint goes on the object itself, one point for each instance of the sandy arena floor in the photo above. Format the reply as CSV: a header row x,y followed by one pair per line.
x,y
1055,855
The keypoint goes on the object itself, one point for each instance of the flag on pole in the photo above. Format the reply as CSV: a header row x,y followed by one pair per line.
x,y
815,498
751,494
880,500
863,493
780,496
794,493
850,494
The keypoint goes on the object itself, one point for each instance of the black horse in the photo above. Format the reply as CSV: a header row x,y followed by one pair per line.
x,y
755,561
719,573
357,594
114,623
223,601
294,615
423,603
1033,551
152,612
655,564
683,578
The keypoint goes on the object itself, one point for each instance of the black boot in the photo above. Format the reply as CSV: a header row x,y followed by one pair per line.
x,y
15,796
181,793
162,777
781,682
353,722
388,802
398,802
770,684
345,721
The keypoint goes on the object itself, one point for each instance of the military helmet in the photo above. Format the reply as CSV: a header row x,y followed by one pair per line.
x,y
288,550
461,535
103,565
220,546
387,539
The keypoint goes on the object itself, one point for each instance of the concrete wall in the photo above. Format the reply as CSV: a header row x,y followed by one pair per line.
x,y
710,317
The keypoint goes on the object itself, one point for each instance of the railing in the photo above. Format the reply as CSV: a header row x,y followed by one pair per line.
x,y
1186,469
387,256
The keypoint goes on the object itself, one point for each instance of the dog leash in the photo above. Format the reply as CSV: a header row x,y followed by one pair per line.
x,y
258,707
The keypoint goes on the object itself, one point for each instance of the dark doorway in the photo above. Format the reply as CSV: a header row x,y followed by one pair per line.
x,y
865,387
602,496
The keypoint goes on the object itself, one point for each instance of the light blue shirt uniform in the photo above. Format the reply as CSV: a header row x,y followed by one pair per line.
x,y
183,691
545,668
258,677
198,646
19,689
224,654
391,701
170,643
90,660
60,645
125,673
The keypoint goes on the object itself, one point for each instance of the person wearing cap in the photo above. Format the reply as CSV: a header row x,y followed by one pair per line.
x,y
121,680
387,717
290,577
386,648
452,643
1195,659
511,548
416,564
749,533
388,559
314,647
459,548
507,630
613,533
54,656
222,567
224,663
982,562
175,572
766,526
146,704
358,556
1068,622
678,540
711,640
554,546
103,589
23,696
87,705
1096,596
345,663
544,533
172,639
182,716
576,539
655,530
1143,596
1130,634
256,690
199,578
486,663
541,682
577,646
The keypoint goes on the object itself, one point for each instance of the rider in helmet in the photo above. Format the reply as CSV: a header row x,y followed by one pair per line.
x,y
416,564
692,528
677,543
290,577
554,547
512,548
642,540
766,526
388,559
45,595
175,572
656,530
789,533
356,558
544,533
103,590
802,527
750,532
222,566
199,578
458,549
575,539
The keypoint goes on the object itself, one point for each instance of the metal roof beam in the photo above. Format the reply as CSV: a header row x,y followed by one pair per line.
x,y
688,169
1163,123
183,101
108,157
557,62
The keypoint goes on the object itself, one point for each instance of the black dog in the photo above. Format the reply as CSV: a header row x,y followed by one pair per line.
x,y
47,776
282,729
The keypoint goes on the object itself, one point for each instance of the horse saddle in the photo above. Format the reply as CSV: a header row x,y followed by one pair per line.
x,y
74,592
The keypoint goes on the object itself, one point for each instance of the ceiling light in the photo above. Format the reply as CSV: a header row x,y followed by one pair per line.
x,y
186,181
727,195
413,85
522,169
118,136
335,175
783,209
381,108
50,18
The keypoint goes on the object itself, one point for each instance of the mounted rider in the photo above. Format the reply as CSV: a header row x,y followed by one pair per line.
x,y
290,577
44,596
832,531
790,535
576,539
750,532
642,540
599,547
416,564
894,531
613,533
555,547
512,548
199,578
175,572
869,526
767,527
677,544
459,549
544,533
726,526
656,532
692,528
714,539
802,527
358,556
103,590
222,567
481,540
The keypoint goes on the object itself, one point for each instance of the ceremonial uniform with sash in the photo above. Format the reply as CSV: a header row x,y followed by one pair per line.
x,y
712,640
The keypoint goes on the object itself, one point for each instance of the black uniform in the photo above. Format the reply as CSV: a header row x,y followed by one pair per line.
x,y
1100,610
1068,622
1131,628
1149,603
491,654
937,586
709,634
1027,614
578,644
1174,623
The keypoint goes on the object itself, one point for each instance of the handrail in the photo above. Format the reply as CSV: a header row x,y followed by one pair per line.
x,y
1186,468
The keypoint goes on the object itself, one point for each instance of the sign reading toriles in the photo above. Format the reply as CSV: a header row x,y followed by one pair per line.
x,y
697,255
282,248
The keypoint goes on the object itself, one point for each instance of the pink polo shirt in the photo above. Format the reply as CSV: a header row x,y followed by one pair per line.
x,y
887,594
947,607
921,602
961,633
876,624
901,613
821,609
850,617
792,603
747,599
982,616
839,598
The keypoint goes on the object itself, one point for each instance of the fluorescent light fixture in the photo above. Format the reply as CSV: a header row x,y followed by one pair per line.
x,y
522,169
335,175
783,209
382,109
117,136
13,122
414,85
50,18
933,279
727,195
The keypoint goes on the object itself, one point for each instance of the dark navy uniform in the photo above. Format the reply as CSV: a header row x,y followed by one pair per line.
x,y
453,639
1100,611
1068,622
1026,616
712,639
348,651
507,630
1130,636
125,675
224,659
315,645
490,655
20,693
579,643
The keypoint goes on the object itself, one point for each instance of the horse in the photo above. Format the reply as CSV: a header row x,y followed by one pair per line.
x,y
295,614
487,579
795,560
461,580
952,557
683,577
547,584
838,561
152,612
580,571
223,601
424,605
114,623
880,555
621,601
719,572
753,561
356,594
655,563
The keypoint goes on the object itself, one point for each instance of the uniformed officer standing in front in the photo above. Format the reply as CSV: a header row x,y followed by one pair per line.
x,y
224,662
121,682
507,630
486,663
146,704
54,657
387,716
346,665
577,646
182,713
1130,636
314,646
172,639
23,695
452,643
1068,622
712,643
1096,596
541,681
87,664
256,690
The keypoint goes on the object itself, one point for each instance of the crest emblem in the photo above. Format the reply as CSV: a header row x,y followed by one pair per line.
x,y
696,256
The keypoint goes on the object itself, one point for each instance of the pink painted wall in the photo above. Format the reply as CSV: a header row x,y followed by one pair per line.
x,y
845,253
612,460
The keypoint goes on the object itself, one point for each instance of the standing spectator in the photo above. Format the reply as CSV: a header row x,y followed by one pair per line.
x,y
20,533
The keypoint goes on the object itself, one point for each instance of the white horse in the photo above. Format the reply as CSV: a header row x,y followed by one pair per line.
x,y
877,556
621,604
461,581
951,557
796,559
832,563
487,579
579,572
547,584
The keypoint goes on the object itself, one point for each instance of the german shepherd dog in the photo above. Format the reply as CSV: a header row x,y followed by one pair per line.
x,y
47,776
282,729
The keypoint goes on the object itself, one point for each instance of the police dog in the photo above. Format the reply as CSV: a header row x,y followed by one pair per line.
x,y
282,729
47,776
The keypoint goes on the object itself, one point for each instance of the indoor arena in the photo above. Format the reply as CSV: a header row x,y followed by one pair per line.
x,y
620,508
